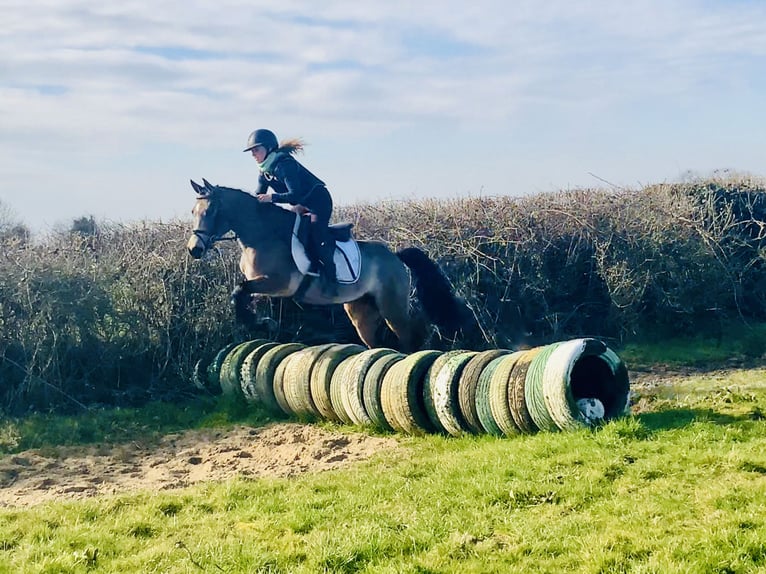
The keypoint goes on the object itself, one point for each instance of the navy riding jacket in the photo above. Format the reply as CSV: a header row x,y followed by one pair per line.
x,y
292,183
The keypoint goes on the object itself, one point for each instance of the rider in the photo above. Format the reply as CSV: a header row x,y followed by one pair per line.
x,y
292,183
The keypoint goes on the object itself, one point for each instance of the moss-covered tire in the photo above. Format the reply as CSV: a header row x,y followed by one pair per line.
x,y
322,376
297,381
516,400
231,384
351,383
256,390
214,368
402,393
265,375
498,394
371,391
469,383
440,390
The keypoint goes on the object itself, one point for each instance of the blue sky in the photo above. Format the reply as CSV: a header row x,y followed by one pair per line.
x,y
108,109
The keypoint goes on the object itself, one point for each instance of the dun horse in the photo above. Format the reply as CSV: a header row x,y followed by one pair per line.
x,y
379,286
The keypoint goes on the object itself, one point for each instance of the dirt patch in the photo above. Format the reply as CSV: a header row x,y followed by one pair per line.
x,y
179,460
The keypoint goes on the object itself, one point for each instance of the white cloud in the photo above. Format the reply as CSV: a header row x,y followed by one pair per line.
x,y
82,79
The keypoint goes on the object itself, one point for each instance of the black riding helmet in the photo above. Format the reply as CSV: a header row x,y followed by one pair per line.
x,y
266,138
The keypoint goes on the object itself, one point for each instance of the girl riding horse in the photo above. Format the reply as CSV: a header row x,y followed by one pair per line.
x,y
292,183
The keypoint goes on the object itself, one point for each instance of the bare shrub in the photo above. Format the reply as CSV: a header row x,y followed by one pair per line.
x,y
122,314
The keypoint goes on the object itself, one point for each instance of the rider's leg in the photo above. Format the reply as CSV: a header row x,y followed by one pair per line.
x,y
326,250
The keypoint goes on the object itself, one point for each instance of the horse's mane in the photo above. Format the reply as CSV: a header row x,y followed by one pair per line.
x,y
292,146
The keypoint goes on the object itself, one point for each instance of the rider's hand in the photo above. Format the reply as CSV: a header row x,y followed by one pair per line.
x,y
266,197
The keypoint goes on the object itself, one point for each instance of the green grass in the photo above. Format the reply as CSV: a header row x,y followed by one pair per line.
x,y
123,425
737,342
680,487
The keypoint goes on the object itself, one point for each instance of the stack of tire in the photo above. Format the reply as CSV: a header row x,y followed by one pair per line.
x,y
500,391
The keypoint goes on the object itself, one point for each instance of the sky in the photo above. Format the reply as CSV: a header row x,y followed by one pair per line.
x,y
107,109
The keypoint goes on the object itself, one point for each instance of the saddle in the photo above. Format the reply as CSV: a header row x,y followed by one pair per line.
x,y
348,261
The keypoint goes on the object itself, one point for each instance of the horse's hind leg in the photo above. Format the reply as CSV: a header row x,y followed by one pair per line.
x,y
366,319
395,310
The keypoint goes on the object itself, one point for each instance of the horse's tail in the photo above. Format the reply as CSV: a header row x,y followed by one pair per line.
x,y
434,291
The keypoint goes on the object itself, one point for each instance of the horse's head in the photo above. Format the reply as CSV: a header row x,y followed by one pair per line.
x,y
209,225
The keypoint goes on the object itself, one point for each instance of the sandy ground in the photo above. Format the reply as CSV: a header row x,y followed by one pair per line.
x,y
179,460
182,459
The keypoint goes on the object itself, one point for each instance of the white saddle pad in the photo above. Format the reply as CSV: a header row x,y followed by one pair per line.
x,y
348,260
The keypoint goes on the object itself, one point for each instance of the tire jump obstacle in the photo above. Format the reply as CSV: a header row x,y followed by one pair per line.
x,y
562,386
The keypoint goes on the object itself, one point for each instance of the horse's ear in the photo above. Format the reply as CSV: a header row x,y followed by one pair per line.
x,y
208,185
197,187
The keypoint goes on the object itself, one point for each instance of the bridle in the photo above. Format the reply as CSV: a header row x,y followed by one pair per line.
x,y
209,239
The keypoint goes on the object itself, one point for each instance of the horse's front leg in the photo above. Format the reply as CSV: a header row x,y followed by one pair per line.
x,y
242,294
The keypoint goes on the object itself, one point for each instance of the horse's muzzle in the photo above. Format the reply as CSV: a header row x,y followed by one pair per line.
x,y
196,247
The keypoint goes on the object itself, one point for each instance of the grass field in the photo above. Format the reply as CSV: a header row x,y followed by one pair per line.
x,y
680,486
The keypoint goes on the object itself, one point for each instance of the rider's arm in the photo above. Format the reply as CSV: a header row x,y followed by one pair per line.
x,y
263,185
288,172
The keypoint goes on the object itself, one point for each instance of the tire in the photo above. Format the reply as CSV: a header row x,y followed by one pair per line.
x,y
534,392
498,394
257,390
214,369
322,375
516,399
583,368
351,382
402,393
372,387
265,376
428,380
297,380
199,375
483,409
443,389
469,382
337,391
231,384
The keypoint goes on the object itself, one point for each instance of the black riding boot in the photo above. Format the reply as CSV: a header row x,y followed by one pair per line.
x,y
326,255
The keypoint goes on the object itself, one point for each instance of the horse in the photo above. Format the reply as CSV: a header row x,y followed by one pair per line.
x,y
380,291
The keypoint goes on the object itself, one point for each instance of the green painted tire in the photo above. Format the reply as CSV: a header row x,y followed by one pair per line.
x,y
265,375
257,390
469,383
441,393
483,410
322,376
231,384
498,394
402,393
516,399
371,389
297,382
351,384
214,368
533,389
